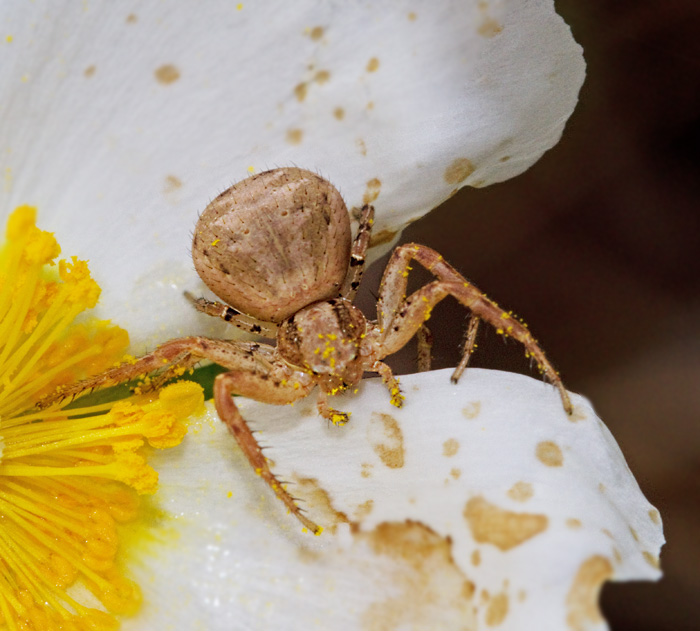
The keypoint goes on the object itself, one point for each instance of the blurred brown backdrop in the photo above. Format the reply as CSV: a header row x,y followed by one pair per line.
x,y
597,248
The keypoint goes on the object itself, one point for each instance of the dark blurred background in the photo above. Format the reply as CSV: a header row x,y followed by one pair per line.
x,y
597,248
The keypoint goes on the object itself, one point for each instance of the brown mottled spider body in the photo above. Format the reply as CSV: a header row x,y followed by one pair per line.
x,y
277,249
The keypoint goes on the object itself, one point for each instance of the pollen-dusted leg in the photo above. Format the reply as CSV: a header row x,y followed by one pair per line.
x,y
264,388
357,254
391,382
183,352
425,348
326,411
230,315
399,317
469,346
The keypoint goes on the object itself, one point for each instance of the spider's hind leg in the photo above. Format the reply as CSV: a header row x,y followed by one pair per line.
x,y
357,254
232,316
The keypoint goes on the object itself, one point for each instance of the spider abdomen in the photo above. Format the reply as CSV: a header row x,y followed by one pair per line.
x,y
274,243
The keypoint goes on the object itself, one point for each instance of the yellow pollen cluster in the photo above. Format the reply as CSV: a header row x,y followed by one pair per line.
x,y
397,398
68,477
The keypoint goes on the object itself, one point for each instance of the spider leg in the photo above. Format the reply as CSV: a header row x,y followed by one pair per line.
x,y
425,348
326,411
263,387
238,319
399,317
170,358
469,346
391,382
357,254
255,373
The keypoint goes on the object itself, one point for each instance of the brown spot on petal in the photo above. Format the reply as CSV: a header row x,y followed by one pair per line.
x,y
450,447
489,27
471,410
412,16
582,599
300,91
172,183
654,516
317,499
549,453
322,76
89,71
339,113
573,523
497,610
504,159
476,558
167,74
362,146
458,171
372,191
501,528
294,136
131,18
521,491
366,470
316,33
373,65
577,415
364,509
426,581
386,439
383,236
634,534
651,559
455,473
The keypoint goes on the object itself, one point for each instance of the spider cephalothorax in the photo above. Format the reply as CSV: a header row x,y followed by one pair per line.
x,y
277,249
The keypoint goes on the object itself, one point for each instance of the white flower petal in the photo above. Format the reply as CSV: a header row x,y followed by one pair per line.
x,y
476,505
121,124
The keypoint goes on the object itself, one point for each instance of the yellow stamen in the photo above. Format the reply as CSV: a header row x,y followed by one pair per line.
x,y
67,477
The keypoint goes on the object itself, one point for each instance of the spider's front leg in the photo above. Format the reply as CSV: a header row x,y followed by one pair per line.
x,y
255,372
277,386
400,317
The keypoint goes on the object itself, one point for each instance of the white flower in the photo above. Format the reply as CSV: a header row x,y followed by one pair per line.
x,y
475,505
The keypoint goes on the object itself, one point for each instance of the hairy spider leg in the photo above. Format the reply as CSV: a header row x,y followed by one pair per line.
x,y
425,348
263,388
468,348
326,411
357,254
232,316
255,373
391,382
399,317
